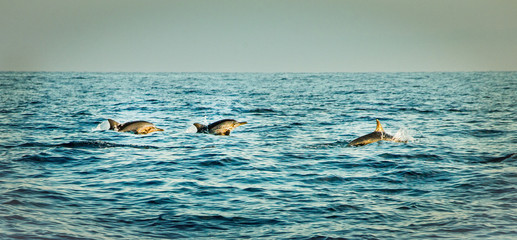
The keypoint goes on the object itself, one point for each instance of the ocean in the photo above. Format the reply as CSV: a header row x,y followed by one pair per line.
x,y
287,174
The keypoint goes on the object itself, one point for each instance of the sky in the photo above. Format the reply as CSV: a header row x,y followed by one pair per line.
x,y
258,36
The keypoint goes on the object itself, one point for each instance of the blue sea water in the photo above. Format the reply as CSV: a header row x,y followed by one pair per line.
x,y
287,174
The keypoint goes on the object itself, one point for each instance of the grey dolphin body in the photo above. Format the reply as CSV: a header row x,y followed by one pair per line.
x,y
221,127
375,136
137,127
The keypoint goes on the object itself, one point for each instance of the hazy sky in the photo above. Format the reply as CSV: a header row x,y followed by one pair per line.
x,y
258,36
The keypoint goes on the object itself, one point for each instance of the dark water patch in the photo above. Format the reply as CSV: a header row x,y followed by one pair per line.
x,y
13,202
209,155
507,158
389,179
327,179
390,191
150,183
322,237
348,164
417,110
502,189
95,171
100,144
5,170
43,235
297,155
383,164
364,164
119,185
486,133
28,198
262,110
344,208
159,201
424,157
316,109
15,218
336,144
419,174
304,175
85,144
457,110
217,222
212,163
408,206
253,189
45,158
81,113
192,91
226,161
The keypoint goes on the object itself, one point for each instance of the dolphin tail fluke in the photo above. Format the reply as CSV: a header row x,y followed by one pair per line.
x,y
379,126
113,124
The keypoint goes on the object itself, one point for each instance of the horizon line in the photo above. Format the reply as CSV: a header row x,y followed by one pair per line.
x,y
254,72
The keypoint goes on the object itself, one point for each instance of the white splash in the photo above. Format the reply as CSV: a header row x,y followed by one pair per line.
x,y
103,126
191,129
405,134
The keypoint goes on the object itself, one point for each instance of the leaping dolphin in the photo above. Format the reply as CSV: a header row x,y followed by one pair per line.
x,y
375,136
137,127
221,127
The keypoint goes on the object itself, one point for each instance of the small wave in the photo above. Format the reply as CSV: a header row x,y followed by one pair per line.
x,y
212,221
419,174
412,109
150,183
389,190
321,237
328,145
101,144
44,158
212,163
227,161
81,113
429,157
326,179
261,110
35,193
486,133
343,208
13,202
264,111
511,156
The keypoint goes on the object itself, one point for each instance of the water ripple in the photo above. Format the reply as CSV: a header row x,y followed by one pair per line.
x,y
287,174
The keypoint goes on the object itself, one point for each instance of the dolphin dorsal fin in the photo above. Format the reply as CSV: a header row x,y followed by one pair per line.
x,y
113,124
200,127
379,127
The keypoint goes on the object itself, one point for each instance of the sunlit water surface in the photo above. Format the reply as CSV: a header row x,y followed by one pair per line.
x,y
287,174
